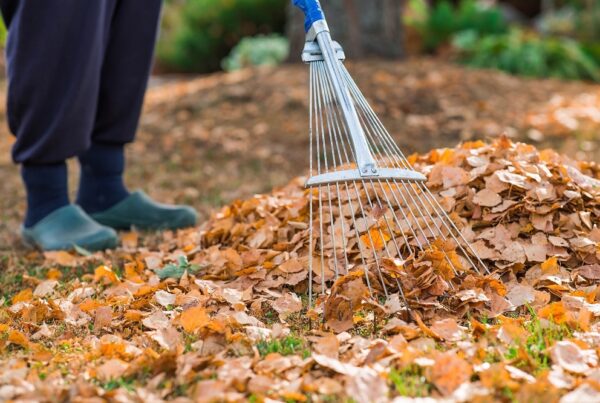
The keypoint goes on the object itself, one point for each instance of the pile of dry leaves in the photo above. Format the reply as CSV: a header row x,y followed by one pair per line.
x,y
221,314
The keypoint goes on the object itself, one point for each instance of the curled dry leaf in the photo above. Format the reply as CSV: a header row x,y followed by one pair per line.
x,y
164,298
156,320
287,304
572,358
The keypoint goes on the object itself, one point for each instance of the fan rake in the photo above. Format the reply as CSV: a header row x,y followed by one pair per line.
x,y
369,210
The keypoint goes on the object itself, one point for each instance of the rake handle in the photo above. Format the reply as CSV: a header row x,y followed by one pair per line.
x,y
312,10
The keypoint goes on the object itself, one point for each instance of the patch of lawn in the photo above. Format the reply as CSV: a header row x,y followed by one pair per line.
x,y
410,381
288,345
541,337
117,383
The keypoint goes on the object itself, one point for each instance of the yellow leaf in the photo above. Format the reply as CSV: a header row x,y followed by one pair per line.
x,y
375,239
194,318
555,312
472,145
132,272
134,315
295,396
54,274
18,338
23,296
104,273
89,305
550,266
447,156
145,290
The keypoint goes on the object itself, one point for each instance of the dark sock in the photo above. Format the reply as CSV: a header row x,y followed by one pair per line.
x,y
101,185
47,190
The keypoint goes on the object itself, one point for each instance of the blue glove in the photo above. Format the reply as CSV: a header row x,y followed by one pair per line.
x,y
312,10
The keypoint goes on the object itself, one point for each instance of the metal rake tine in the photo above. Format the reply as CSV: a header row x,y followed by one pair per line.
x,y
310,201
338,133
332,125
335,127
326,162
320,188
399,252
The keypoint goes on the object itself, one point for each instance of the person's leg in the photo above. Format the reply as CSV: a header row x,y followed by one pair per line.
x,y
47,190
124,78
125,72
54,56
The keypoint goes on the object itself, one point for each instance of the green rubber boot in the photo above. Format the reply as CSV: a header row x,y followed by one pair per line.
x,y
140,211
67,227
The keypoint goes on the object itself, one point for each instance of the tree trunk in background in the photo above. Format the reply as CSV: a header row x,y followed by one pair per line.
x,y
364,28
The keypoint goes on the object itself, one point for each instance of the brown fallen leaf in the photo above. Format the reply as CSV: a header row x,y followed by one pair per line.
x,y
590,271
103,317
157,320
287,304
449,372
487,198
448,329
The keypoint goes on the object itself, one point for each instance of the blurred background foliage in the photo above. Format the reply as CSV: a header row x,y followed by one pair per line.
x,y
439,23
540,38
562,40
198,34
2,32
261,50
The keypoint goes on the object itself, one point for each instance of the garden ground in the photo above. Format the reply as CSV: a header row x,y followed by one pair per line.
x,y
211,140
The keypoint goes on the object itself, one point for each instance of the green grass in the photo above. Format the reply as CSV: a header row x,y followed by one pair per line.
x,y
537,343
289,345
117,383
410,381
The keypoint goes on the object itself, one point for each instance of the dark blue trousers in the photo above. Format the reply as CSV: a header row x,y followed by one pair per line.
x,y
77,73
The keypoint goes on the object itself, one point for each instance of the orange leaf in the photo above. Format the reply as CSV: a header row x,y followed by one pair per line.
x,y
133,315
104,273
18,338
54,274
89,305
194,318
555,312
23,296
132,272
550,266
375,239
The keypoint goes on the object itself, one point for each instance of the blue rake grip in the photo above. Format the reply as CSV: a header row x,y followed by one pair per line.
x,y
312,10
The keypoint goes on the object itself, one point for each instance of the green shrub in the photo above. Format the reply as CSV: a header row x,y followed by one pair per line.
x,y
444,20
527,54
3,33
259,50
200,33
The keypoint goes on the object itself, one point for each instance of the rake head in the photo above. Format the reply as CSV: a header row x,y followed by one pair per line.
x,y
370,210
